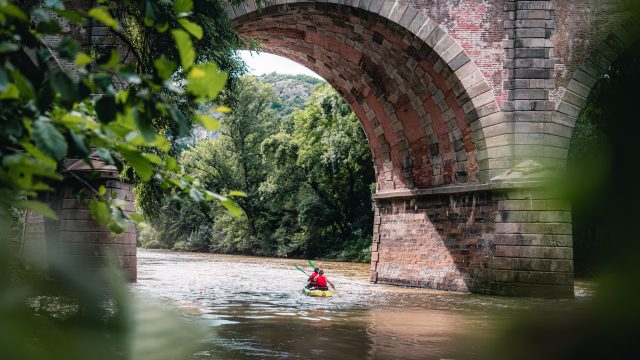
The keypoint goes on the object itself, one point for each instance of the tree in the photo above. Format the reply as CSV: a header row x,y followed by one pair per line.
x,y
233,161
48,115
323,168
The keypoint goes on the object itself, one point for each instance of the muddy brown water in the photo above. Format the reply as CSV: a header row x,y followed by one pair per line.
x,y
254,309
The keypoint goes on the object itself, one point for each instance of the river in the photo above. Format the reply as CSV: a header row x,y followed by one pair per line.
x,y
254,309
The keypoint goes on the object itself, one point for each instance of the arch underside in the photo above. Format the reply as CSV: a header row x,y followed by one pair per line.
x,y
416,96
589,73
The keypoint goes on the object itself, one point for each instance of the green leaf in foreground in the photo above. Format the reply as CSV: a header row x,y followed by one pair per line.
x,y
38,207
185,48
140,164
100,212
102,14
82,59
49,140
205,81
208,122
237,193
182,6
164,67
193,28
232,207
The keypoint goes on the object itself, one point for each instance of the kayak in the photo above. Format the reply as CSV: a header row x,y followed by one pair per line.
x,y
318,293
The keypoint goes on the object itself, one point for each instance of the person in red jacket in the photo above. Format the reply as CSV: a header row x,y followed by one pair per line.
x,y
322,281
312,280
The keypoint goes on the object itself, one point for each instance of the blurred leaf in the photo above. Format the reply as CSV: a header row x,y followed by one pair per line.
x,y
54,4
14,12
49,139
140,164
171,164
193,28
99,212
105,155
196,195
102,190
38,207
23,84
35,152
164,67
65,86
82,59
119,221
72,16
106,109
223,109
182,6
144,124
150,12
48,27
109,61
232,207
137,217
129,76
180,120
68,48
185,48
237,193
153,158
102,14
7,47
11,92
205,81
78,141
208,122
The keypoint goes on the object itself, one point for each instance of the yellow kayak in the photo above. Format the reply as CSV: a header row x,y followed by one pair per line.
x,y
319,293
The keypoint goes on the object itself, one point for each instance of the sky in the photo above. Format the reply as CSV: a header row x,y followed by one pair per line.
x,y
265,63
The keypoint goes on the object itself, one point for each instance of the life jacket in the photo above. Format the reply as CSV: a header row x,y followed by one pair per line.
x,y
314,279
321,280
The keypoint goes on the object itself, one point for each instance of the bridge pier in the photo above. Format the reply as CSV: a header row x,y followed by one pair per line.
x,y
497,239
75,239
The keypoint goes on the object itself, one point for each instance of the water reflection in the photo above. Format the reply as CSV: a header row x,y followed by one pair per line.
x,y
254,308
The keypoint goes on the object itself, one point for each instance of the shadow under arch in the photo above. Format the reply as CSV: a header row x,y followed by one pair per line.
x,y
602,95
589,72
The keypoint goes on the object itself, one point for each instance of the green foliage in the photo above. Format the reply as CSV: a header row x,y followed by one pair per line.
x,y
307,179
293,90
49,115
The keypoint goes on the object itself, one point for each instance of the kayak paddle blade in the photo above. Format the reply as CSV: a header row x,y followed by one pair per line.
x,y
312,266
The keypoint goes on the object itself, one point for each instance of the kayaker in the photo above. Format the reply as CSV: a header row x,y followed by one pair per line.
x,y
322,281
312,280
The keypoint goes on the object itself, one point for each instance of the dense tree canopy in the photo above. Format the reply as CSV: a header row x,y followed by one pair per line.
x,y
307,178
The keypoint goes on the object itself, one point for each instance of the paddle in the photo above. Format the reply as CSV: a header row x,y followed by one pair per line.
x,y
312,266
298,267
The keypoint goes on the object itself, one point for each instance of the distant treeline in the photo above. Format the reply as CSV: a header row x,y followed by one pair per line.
x,y
306,169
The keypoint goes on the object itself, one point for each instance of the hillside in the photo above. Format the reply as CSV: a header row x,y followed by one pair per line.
x,y
293,90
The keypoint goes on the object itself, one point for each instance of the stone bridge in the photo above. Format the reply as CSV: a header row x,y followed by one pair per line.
x,y
469,107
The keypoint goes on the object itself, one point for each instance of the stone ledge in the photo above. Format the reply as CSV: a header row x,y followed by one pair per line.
x,y
455,189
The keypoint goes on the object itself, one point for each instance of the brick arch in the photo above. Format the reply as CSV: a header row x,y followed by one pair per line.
x,y
418,95
586,77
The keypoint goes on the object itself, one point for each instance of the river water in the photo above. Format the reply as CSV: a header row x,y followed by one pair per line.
x,y
254,309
